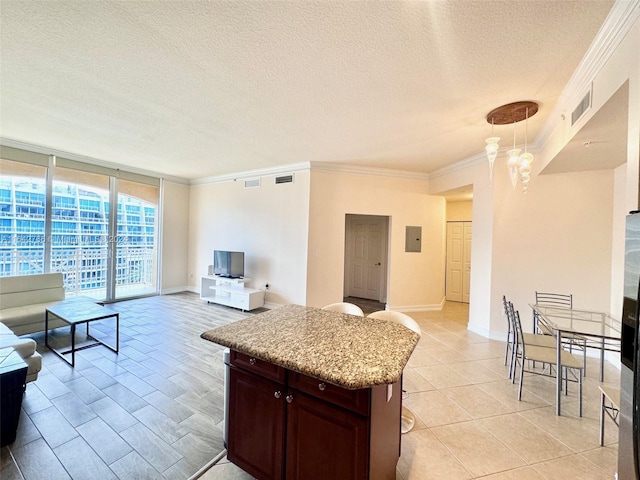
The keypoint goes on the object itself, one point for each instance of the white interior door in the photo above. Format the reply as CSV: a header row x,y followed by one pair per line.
x,y
455,261
458,272
365,256
466,267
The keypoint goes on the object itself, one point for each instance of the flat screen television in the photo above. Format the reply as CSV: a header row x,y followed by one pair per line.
x,y
228,264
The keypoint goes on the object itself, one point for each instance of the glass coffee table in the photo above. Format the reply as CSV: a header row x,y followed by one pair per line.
x,y
75,311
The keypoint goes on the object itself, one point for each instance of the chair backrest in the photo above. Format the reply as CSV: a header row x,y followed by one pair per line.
x,y
398,317
344,307
560,300
517,326
554,299
508,310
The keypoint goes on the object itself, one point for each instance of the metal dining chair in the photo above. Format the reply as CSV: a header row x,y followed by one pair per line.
x,y
408,418
344,307
559,300
545,355
530,338
609,404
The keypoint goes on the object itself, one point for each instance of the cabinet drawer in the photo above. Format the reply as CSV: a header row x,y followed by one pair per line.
x,y
240,300
259,367
355,400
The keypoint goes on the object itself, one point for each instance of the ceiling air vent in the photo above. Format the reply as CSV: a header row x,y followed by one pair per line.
x,y
254,182
582,107
284,179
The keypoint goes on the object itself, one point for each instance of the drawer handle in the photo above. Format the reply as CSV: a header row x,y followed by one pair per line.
x,y
252,361
322,386
289,398
277,394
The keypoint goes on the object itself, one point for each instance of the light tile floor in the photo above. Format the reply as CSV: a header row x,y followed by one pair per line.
x,y
469,423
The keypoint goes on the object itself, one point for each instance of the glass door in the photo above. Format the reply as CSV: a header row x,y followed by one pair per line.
x,y
136,265
80,231
22,218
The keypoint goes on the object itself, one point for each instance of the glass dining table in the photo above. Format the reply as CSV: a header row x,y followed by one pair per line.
x,y
597,330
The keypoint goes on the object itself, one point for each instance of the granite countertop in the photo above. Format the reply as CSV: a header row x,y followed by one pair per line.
x,y
345,350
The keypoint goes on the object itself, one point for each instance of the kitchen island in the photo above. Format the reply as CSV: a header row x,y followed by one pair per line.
x,y
315,394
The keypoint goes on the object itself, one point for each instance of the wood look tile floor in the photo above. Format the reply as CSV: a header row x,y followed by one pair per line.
x,y
470,424
154,410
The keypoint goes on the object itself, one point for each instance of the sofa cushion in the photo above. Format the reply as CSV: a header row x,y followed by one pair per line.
x,y
28,319
31,289
24,346
23,300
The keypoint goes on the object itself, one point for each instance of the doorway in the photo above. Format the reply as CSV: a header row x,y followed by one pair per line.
x,y
365,257
458,274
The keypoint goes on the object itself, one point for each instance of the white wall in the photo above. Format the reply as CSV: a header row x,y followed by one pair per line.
x,y
618,238
475,173
269,224
415,280
556,238
460,211
175,233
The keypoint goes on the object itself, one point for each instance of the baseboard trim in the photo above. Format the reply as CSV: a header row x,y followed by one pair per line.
x,y
418,308
170,290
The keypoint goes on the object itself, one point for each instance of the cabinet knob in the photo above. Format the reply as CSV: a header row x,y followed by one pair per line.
x,y
289,398
252,361
322,386
277,394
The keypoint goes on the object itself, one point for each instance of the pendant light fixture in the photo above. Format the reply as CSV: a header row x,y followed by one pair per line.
x,y
519,165
492,152
513,164
525,159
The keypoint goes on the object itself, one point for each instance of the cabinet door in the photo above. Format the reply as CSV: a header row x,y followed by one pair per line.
x,y
256,424
325,441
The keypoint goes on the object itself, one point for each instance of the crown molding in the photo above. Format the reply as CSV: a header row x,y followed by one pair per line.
x,y
463,164
7,142
361,170
263,172
615,28
325,167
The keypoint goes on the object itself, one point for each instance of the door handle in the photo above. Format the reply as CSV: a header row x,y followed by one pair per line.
x,y
378,264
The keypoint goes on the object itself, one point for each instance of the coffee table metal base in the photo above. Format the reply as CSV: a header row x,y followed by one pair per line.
x,y
72,324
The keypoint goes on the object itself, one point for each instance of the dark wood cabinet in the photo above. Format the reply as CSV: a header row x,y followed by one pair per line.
x,y
284,425
256,424
325,441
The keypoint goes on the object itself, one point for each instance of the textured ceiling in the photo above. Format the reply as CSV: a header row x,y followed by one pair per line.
x,y
203,88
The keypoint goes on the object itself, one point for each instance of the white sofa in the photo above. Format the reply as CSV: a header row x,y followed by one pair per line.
x,y
23,300
25,347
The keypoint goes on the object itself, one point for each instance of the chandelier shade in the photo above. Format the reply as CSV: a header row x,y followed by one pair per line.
x,y
492,153
518,165
513,164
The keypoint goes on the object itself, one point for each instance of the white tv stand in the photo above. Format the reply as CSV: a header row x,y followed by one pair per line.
x,y
230,292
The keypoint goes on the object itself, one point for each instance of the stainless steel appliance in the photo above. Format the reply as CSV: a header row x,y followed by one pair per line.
x,y
628,466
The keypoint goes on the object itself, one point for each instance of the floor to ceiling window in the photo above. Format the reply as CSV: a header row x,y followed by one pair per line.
x,y
79,231
95,225
136,266
22,218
